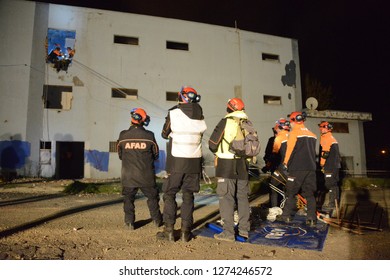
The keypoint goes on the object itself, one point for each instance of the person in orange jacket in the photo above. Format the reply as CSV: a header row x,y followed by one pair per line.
x,y
299,166
330,163
282,127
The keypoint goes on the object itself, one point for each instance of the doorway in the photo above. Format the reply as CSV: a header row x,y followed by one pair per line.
x,y
69,160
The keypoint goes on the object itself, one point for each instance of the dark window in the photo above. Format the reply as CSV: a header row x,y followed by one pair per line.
x,y
340,127
124,93
177,46
275,100
171,96
113,148
125,40
44,145
270,57
57,97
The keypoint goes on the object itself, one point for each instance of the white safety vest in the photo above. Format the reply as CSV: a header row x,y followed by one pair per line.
x,y
186,135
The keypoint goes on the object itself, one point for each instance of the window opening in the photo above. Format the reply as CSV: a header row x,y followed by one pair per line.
x,y
270,57
113,148
177,46
171,96
60,48
339,127
273,100
45,152
124,93
57,97
126,40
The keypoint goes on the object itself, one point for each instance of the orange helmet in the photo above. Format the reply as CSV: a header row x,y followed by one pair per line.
x,y
282,124
188,95
297,117
139,116
235,104
326,125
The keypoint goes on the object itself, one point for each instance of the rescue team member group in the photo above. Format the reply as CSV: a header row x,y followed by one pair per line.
x,y
294,158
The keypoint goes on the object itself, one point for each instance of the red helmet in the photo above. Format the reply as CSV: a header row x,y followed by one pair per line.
x,y
282,124
235,104
326,125
139,116
297,117
188,95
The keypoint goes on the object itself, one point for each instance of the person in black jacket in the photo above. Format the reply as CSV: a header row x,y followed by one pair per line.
x,y
299,167
184,127
330,163
269,166
138,149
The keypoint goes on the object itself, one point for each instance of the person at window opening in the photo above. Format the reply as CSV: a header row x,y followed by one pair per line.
x,y
299,167
54,55
184,127
330,163
70,52
138,149
232,175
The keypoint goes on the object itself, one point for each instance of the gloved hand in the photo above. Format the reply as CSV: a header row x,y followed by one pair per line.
x,y
267,167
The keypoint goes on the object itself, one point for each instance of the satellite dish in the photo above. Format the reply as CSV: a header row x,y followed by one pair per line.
x,y
311,103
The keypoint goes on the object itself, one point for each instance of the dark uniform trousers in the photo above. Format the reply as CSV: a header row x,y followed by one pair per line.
x,y
305,181
152,196
188,183
228,191
331,184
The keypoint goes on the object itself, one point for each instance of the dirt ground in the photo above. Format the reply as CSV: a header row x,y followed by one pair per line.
x,y
38,221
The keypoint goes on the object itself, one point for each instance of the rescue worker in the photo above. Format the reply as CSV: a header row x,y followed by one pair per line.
x,y
54,55
138,149
269,167
282,127
299,167
330,163
184,127
70,52
232,174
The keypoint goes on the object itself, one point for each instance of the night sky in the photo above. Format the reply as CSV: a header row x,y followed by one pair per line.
x,y
343,44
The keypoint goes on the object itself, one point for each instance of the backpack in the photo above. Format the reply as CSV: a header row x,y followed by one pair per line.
x,y
246,143
217,136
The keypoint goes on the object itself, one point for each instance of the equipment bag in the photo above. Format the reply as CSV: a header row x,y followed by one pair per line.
x,y
246,143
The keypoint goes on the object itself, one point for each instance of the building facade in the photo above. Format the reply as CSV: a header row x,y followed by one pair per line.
x,y
61,117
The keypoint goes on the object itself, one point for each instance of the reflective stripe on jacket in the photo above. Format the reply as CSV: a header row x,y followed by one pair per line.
x,y
138,149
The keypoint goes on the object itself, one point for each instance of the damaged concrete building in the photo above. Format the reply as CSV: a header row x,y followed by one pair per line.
x,y
62,118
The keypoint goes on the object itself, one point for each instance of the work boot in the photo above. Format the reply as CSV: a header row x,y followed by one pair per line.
x,y
244,234
225,236
157,223
329,209
129,226
186,235
166,234
311,223
285,219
